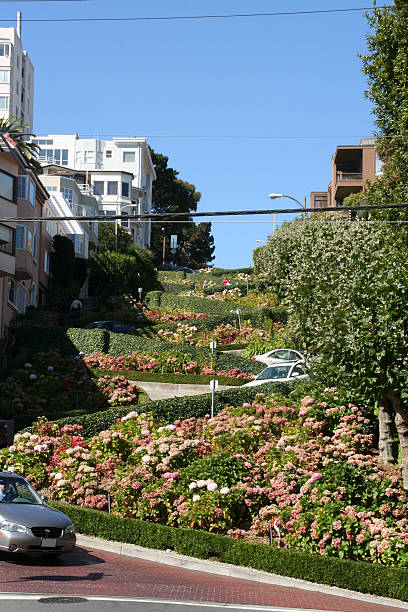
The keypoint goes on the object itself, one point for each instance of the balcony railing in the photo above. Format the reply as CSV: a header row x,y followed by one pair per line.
x,y
349,176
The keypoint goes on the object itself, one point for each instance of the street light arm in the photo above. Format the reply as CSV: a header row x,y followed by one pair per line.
x,y
274,196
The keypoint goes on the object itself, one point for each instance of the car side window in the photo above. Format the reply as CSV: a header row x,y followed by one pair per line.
x,y
298,370
281,355
293,355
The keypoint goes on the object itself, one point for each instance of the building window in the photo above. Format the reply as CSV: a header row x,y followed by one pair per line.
x,y
4,76
20,237
125,190
18,61
7,186
124,222
98,187
52,189
108,153
88,156
112,188
46,155
4,102
12,291
68,194
47,263
40,141
30,241
22,302
17,87
61,157
22,187
35,240
33,295
320,201
7,239
128,157
4,50
31,193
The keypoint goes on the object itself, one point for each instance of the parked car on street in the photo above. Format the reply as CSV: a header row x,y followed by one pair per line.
x,y
278,355
282,372
117,327
186,270
27,524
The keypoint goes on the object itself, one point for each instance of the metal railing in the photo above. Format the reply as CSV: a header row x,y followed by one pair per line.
x,y
349,176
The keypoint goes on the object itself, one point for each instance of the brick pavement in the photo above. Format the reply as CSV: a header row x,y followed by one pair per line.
x,y
89,572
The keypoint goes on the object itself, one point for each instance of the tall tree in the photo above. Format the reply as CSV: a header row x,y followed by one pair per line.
x,y
171,194
18,132
386,67
109,240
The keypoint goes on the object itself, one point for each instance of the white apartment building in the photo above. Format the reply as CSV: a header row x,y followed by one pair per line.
x,y
16,78
120,170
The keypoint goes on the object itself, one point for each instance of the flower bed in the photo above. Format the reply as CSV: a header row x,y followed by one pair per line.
x,y
160,362
222,334
53,384
301,465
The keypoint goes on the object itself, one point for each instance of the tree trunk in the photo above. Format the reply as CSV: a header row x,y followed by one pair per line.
x,y
385,441
401,423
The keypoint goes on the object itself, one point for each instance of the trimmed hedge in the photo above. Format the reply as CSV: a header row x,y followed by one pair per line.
x,y
180,379
171,409
343,573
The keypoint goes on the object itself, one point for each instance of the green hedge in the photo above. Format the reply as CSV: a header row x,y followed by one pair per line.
x,y
180,379
342,573
171,409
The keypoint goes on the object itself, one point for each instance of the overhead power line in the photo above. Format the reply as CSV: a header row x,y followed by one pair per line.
x,y
195,17
219,213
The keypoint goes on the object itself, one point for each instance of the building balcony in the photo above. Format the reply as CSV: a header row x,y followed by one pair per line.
x,y
24,265
7,264
349,176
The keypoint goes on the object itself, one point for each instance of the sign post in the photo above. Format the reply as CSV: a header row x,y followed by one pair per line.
x,y
140,290
213,387
213,345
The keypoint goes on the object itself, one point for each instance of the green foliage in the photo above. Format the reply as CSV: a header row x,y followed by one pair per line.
x,y
113,273
168,410
18,131
114,239
358,576
183,379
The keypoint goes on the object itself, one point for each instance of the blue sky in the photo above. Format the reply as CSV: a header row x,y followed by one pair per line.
x,y
294,78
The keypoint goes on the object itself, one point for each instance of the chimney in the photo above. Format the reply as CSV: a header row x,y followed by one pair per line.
x,y
19,24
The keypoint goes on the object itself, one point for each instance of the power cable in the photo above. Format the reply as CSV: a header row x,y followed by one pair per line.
x,y
222,213
196,17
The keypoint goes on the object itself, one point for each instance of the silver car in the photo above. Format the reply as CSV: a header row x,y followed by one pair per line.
x,y
278,355
285,371
27,524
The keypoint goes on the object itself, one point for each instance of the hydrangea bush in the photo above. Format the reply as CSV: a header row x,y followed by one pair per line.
x,y
301,469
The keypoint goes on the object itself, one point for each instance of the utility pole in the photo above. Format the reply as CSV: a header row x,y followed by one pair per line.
x,y
164,245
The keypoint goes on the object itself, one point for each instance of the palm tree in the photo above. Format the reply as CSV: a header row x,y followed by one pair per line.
x,y
17,131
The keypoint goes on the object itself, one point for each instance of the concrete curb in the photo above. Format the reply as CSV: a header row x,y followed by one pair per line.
x,y
225,569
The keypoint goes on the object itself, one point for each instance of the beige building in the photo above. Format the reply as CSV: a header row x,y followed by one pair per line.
x,y
352,167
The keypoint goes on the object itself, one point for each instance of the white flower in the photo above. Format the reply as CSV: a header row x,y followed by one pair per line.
x,y
11,469
201,483
131,415
32,376
28,365
196,498
212,486
50,368
224,491
58,476
62,483
146,458
171,427
192,485
145,432
12,449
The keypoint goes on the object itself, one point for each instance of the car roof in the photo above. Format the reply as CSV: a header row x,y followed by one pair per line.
x,y
9,475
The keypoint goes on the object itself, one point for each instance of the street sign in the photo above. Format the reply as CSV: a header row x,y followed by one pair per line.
x,y
173,242
213,385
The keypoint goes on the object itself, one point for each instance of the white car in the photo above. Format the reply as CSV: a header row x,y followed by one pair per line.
x,y
278,356
281,372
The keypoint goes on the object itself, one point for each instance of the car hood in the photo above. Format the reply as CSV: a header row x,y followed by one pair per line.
x,y
255,383
33,516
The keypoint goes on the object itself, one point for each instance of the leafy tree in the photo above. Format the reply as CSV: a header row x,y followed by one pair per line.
x,y
345,286
171,194
18,132
113,273
109,241
68,273
386,68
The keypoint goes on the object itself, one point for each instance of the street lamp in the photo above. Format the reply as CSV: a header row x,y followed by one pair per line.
x,y
274,196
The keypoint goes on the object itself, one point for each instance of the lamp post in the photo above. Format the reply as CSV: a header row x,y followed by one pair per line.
x,y
274,196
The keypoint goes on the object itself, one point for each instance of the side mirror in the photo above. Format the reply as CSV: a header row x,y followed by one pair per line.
x,y
295,374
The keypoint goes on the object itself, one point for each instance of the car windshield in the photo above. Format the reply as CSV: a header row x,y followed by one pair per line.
x,y
280,371
17,491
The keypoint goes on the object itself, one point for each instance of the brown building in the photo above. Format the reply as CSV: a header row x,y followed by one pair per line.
x,y
25,245
352,167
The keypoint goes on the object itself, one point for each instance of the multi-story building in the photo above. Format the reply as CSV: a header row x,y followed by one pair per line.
x,y
16,77
120,170
25,244
72,196
352,167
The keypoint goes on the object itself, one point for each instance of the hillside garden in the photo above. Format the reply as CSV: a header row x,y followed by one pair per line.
x,y
295,466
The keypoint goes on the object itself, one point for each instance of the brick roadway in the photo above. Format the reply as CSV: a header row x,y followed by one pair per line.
x,y
89,572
